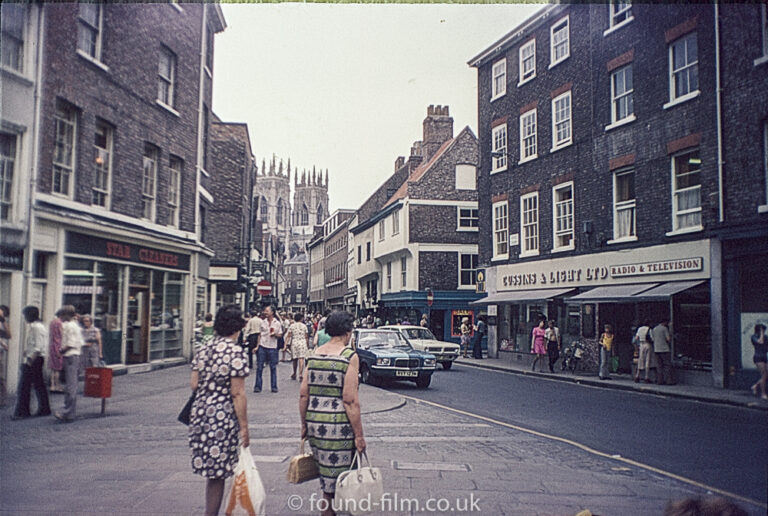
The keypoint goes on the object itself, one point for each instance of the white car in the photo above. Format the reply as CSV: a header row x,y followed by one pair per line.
x,y
424,340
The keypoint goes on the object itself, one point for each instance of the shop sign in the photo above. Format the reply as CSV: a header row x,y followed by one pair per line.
x,y
106,248
11,258
222,273
663,263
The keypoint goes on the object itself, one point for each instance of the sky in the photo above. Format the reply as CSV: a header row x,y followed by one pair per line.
x,y
346,87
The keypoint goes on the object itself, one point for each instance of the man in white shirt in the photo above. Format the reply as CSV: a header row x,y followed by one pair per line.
x,y
271,329
71,345
252,332
35,349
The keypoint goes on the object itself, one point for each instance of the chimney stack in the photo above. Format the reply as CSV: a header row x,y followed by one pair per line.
x,y
437,129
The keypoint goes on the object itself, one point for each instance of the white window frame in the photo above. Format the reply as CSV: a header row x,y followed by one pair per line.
x,y
472,271
559,144
525,135
175,168
467,221
691,93
103,161
7,175
395,223
499,79
530,238
676,228
500,216
11,41
64,170
389,276
614,13
621,206
569,207
382,229
85,25
499,145
166,84
522,79
150,157
403,271
627,94
555,29
763,35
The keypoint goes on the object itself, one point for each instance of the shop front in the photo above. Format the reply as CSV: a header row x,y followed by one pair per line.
x,y
135,294
621,288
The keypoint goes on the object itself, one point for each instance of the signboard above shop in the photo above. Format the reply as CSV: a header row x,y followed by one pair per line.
x,y
670,262
88,245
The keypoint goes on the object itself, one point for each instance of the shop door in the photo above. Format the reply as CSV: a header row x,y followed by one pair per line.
x,y
437,324
138,325
622,318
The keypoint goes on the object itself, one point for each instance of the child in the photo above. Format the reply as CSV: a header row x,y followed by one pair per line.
x,y
606,344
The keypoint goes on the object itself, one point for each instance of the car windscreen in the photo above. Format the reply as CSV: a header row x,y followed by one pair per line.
x,y
381,339
419,333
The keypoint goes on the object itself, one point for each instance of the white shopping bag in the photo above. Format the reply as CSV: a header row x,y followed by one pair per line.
x,y
247,495
358,491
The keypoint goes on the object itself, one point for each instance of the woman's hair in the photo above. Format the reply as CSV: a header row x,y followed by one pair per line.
x,y
298,317
338,323
759,327
609,328
66,312
229,320
646,322
6,311
31,313
208,317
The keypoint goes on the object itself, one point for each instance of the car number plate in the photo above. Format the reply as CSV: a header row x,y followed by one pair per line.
x,y
406,373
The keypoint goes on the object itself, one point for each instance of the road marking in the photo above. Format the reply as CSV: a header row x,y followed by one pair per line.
x,y
587,449
430,466
270,458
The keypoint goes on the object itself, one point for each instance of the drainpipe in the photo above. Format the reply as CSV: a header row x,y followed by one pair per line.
x,y
718,94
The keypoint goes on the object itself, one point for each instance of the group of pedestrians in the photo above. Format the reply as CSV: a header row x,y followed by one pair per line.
x,y
471,333
546,343
328,402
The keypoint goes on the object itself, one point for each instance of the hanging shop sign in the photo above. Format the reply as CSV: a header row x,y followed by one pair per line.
x,y
687,260
130,252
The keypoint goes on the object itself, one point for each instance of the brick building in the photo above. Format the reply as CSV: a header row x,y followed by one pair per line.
x,y
335,249
600,180
424,235
296,271
230,222
118,221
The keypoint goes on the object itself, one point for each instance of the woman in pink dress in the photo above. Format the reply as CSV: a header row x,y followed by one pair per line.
x,y
55,360
538,344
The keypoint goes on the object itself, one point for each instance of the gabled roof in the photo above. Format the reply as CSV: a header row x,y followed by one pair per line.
x,y
422,169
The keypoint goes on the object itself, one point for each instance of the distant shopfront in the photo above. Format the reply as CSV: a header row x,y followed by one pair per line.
x,y
134,292
621,288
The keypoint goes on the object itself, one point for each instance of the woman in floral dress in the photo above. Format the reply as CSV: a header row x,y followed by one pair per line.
x,y
296,338
219,411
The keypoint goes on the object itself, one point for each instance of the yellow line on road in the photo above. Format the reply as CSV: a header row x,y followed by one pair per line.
x,y
593,451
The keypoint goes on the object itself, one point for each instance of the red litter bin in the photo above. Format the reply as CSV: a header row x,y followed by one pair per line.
x,y
98,384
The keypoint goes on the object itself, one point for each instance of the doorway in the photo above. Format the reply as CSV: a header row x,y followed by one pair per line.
x,y
137,342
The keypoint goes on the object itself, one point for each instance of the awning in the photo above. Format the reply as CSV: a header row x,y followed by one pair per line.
x,y
612,293
666,290
521,296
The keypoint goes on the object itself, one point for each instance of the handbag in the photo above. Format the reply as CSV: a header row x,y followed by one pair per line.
x,y
187,410
302,467
358,491
247,495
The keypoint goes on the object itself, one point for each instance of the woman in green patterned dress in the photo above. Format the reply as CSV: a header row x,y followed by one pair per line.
x,y
329,405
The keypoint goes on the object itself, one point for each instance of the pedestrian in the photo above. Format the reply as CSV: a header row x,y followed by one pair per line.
x,y
252,331
297,335
646,360
477,344
93,351
466,330
267,353
219,412
71,347
760,342
424,323
538,344
552,336
606,345
661,340
320,338
208,328
55,360
35,349
703,507
5,336
329,405
285,322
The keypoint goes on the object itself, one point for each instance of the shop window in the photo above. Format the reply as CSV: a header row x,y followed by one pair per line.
x,y
166,315
588,321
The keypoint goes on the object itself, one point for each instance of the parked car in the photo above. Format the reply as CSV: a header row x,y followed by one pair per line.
x,y
386,354
424,340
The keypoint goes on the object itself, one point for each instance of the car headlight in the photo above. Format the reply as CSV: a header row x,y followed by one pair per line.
x,y
429,361
382,361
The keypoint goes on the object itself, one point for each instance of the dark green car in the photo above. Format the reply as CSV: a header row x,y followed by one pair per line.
x,y
387,355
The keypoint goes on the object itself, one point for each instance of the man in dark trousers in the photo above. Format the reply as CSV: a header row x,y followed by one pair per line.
x,y
477,345
552,336
32,369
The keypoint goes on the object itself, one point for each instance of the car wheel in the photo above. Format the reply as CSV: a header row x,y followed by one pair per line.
x,y
422,382
365,375
446,365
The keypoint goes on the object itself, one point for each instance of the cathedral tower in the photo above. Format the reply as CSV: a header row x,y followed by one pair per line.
x,y
310,207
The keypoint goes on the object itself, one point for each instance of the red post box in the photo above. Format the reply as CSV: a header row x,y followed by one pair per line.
x,y
98,384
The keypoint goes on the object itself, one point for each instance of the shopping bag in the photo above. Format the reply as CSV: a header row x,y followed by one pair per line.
x,y
186,412
302,467
247,495
358,490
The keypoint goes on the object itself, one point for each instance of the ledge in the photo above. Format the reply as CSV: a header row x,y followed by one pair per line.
x,y
496,171
763,208
562,146
529,79
167,108
623,121
622,240
552,65
760,60
500,95
617,26
556,250
529,158
16,75
680,100
93,61
694,229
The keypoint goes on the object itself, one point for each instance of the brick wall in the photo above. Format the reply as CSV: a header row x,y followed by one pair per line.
x,y
438,270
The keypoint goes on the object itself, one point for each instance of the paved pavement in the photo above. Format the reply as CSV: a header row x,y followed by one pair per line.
x,y
626,382
135,460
